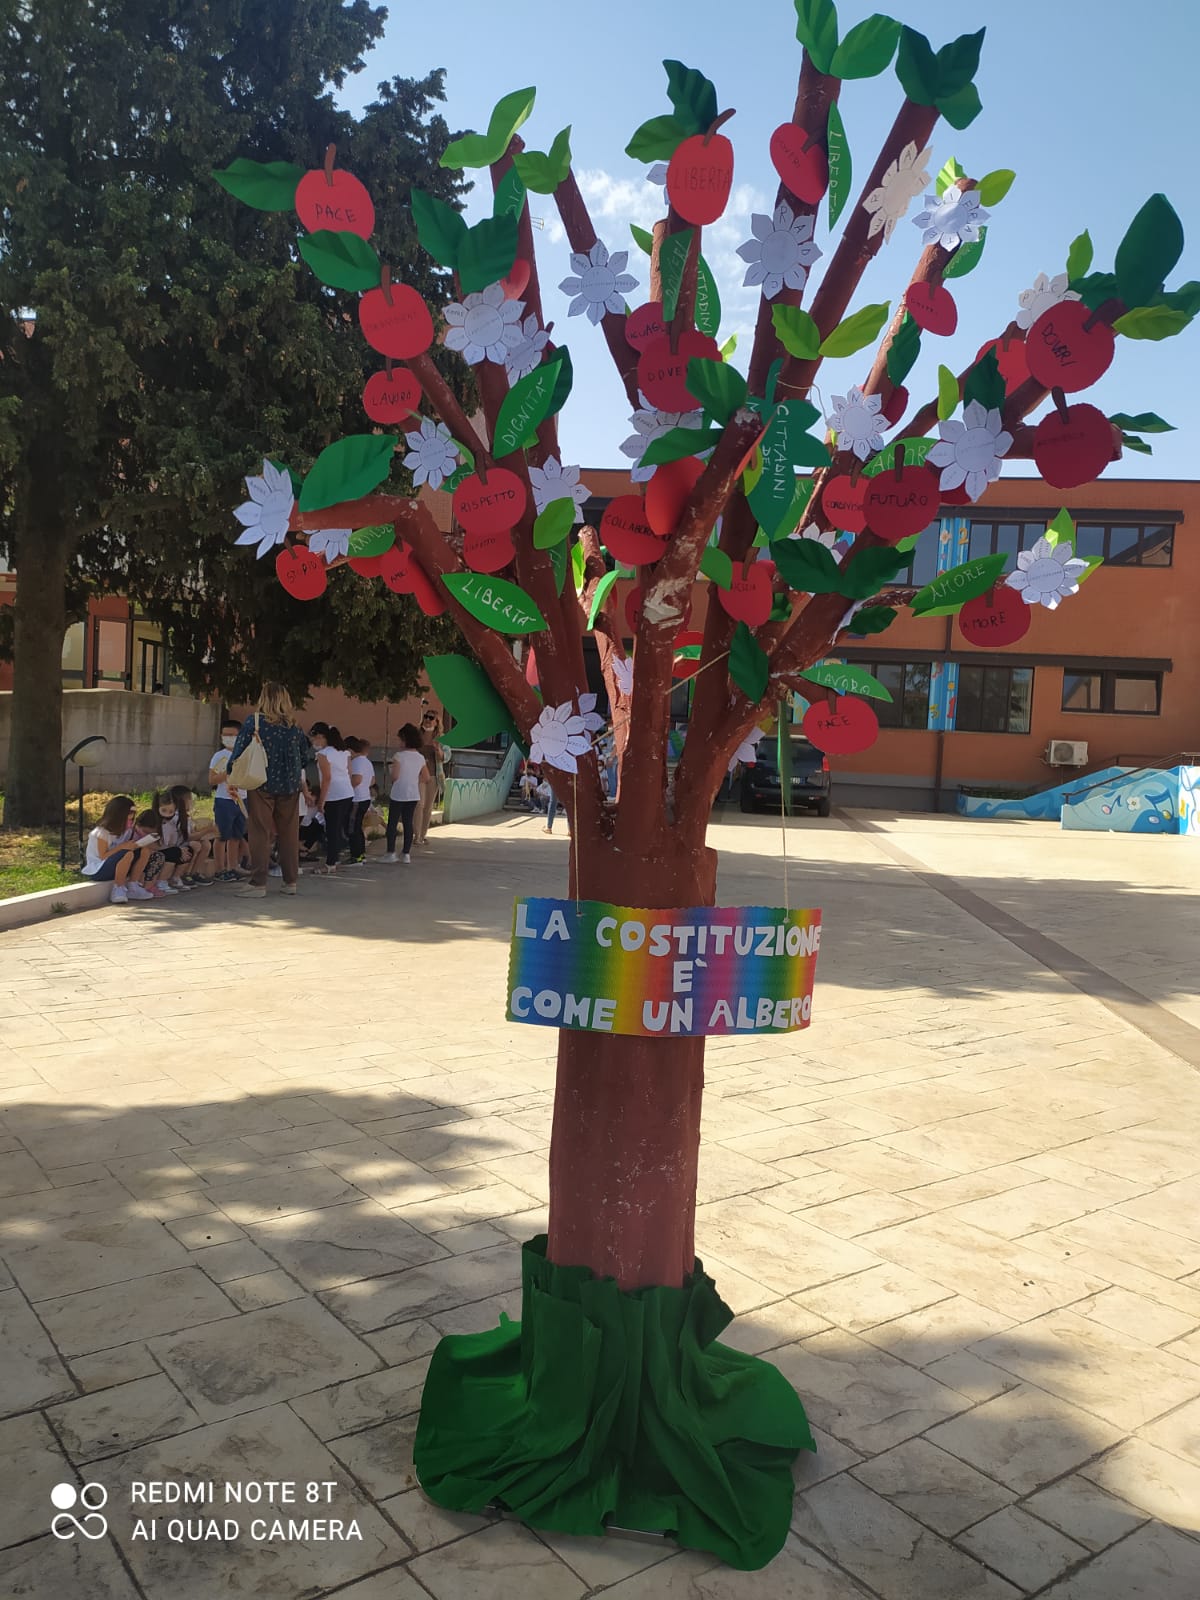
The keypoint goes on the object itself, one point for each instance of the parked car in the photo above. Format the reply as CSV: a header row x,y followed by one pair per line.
x,y
811,784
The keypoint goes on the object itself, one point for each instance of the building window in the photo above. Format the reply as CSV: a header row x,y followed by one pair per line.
x,y
1123,544
922,568
908,684
993,699
1113,693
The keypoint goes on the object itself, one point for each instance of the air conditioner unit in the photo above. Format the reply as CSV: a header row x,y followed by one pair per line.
x,y
1067,753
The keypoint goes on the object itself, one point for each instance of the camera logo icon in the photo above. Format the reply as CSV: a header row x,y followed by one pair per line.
x,y
65,1497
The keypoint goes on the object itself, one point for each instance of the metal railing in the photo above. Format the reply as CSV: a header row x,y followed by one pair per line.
x,y
1159,763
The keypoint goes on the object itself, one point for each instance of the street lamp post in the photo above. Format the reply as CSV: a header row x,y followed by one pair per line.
x,y
88,752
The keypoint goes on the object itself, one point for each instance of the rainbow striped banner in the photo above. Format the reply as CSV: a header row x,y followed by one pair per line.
x,y
599,968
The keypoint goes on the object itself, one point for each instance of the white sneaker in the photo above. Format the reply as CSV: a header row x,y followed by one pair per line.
x,y
391,857
407,859
183,888
166,888
119,895
135,891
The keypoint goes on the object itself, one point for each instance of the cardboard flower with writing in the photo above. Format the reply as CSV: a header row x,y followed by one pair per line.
x,y
1046,574
622,671
600,284
485,326
746,753
780,252
558,736
593,722
650,424
1042,295
971,450
951,219
432,454
525,356
858,421
657,175
266,514
903,181
330,542
556,482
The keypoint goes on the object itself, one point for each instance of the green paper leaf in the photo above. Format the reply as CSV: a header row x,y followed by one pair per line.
x,y
995,186
720,388
692,95
559,562
657,140
915,451
904,349
1185,298
781,608
947,394
1149,252
785,445
486,253
950,591
845,679
502,605
1095,288
1130,441
440,228
551,526
841,170
962,107
265,185
599,596
372,541
797,332
817,31
643,238
867,572
958,62
966,258
857,331
749,666
917,67
509,199
708,301
1093,563
481,149
672,258
1152,322
729,347
806,566
524,408
467,693
578,562
715,564
342,260
867,50
540,173
1144,422
872,619
1080,255
563,383
347,469
1062,528
773,372
951,172
984,383
678,444
465,471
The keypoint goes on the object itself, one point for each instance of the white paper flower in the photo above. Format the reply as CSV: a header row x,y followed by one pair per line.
x,y
266,514
556,482
432,454
1043,294
1046,574
593,722
857,420
657,175
971,450
650,424
747,751
600,283
526,356
828,538
902,183
558,736
951,219
622,671
330,543
484,326
781,251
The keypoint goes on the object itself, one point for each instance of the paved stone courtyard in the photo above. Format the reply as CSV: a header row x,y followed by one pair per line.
x,y
256,1157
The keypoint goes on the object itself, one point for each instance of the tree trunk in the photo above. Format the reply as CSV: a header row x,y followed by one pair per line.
x,y
33,786
626,1137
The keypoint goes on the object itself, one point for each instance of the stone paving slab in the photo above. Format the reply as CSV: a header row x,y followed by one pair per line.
x,y
959,1213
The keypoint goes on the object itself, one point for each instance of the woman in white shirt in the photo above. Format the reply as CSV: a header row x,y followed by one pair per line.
x,y
336,799
411,781
362,776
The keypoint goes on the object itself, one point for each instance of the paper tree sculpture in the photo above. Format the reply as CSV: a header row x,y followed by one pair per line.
x,y
614,1402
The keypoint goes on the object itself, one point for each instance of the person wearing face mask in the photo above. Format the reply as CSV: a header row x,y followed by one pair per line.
x,y
229,810
336,799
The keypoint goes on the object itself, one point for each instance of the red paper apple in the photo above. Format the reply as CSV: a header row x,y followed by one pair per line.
x,y
301,573
700,177
842,500
667,493
1012,361
957,497
997,618
899,505
396,568
1075,448
489,552
493,506
843,729
645,325
391,396
396,321
684,667
625,531
1064,352
662,372
367,566
749,597
895,406
331,198
515,284
804,171
932,308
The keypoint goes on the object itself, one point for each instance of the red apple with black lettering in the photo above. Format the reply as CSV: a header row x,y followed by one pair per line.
x,y
331,198
626,533
801,162
391,396
1073,445
1069,347
843,728
490,505
395,321
750,596
662,372
301,572
901,503
700,176
997,618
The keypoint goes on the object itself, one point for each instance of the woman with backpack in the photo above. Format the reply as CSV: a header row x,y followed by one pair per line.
x,y
276,752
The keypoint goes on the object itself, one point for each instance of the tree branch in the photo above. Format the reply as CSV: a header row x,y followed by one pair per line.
x,y
572,208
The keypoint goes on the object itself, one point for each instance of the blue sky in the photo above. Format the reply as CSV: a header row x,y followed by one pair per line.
x,y
1094,108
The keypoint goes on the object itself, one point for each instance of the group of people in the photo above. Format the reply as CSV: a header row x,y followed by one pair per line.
x,y
261,831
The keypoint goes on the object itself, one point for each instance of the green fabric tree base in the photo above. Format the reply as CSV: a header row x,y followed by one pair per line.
x,y
605,1407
